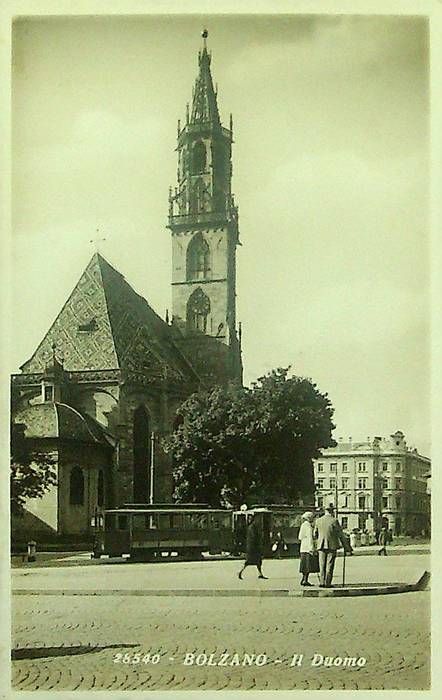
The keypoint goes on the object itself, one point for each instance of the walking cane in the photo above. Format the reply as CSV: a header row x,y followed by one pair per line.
x,y
343,570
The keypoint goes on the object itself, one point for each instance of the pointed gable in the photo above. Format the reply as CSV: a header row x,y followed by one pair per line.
x,y
81,332
106,325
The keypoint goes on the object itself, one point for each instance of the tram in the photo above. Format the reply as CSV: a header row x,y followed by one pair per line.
x,y
147,532
276,521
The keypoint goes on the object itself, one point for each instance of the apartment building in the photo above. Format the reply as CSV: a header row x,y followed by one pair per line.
x,y
381,479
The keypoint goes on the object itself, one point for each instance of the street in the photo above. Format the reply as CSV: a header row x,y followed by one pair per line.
x,y
68,642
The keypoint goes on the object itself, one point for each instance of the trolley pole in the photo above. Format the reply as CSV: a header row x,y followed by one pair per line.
x,y
152,466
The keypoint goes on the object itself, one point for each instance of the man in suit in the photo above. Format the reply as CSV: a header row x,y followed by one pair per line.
x,y
329,539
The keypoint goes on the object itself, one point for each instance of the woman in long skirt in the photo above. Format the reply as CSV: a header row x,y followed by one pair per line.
x,y
307,546
253,548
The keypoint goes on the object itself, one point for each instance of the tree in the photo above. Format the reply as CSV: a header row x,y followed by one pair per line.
x,y
32,471
256,444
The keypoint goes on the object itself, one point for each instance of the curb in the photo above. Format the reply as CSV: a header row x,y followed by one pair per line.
x,y
348,591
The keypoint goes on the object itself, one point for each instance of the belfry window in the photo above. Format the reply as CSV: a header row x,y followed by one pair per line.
x,y
198,158
76,487
198,309
198,258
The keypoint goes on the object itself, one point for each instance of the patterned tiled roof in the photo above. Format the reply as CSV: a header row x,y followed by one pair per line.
x,y
57,420
106,325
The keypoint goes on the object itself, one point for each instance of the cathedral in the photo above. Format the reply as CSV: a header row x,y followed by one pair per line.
x,y
105,384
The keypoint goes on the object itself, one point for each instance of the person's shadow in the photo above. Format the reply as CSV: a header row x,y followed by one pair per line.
x,y
47,652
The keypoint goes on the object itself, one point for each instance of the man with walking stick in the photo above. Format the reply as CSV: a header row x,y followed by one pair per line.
x,y
329,539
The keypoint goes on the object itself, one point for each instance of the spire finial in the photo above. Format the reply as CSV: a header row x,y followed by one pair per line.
x,y
205,34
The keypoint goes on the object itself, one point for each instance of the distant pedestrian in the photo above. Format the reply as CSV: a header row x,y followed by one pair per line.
x,y
253,547
279,545
329,539
306,547
383,541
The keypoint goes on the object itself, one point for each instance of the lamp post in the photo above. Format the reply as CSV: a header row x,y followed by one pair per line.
x,y
152,467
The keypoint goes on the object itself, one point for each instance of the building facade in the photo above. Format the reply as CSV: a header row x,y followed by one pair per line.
x,y
379,480
105,384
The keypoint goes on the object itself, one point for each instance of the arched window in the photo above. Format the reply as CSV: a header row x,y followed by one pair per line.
x,y
198,158
141,453
199,197
76,487
198,258
100,488
198,309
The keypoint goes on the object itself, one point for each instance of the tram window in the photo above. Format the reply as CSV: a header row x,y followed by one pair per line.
x,y
122,522
216,521
110,522
225,520
177,520
164,521
139,521
199,520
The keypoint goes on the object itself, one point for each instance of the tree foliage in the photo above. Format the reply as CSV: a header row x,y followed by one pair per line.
x,y
32,472
256,444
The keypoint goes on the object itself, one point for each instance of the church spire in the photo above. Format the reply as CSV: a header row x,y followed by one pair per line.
x,y
204,104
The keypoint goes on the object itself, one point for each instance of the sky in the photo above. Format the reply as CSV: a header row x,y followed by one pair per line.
x,y
330,173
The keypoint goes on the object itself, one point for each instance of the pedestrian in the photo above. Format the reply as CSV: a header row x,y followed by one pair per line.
x,y
279,545
253,547
306,547
329,539
383,541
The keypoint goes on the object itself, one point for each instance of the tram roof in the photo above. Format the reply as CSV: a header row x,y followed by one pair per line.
x,y
169,508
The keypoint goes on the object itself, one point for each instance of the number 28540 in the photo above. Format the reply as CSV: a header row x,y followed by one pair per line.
x,y
137,658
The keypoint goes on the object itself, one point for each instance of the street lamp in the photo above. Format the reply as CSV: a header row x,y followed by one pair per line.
x,y
152,467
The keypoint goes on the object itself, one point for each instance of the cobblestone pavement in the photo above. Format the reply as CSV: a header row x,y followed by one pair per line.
x,y
70,643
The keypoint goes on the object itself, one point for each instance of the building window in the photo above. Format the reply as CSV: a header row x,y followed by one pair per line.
x,y
76,487
398,502
345,502
385,483
345,483
362,483
398,466
100,488
385,502
361,502
198,158
198,258
320,483
398,484
320,467
332,483
384,466
344,467
361,467
198,309
320,501
333,466
344,522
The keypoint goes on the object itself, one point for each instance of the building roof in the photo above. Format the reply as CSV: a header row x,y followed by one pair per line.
x,y
204,104
60,421
105,324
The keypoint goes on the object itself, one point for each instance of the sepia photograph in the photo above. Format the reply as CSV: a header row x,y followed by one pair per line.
x,y
219,362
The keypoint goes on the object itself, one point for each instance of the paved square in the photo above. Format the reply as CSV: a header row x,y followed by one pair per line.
x,y
80,642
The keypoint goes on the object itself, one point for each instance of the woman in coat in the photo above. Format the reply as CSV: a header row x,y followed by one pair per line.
x,y
307,546
253,548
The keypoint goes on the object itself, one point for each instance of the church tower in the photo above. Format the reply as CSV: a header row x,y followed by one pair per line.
x,y
203,220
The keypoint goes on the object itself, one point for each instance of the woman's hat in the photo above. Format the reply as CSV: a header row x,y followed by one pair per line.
x,y
308,515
